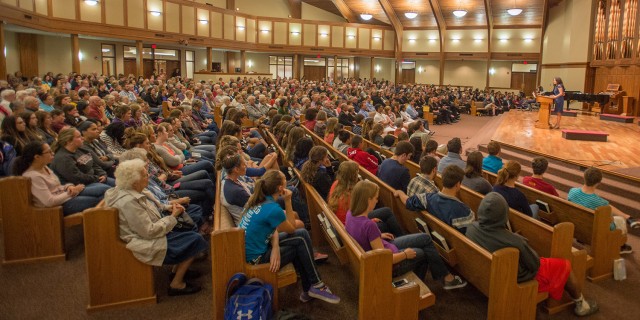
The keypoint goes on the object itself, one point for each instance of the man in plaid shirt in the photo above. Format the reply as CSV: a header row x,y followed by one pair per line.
x,y
423,181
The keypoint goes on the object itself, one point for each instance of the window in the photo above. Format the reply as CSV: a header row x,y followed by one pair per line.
x,y
342,69
281,66
190,63
108,59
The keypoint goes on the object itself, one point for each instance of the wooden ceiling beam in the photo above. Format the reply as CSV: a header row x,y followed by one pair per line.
x,y
397,27
295,8
345,11
442,32
489,15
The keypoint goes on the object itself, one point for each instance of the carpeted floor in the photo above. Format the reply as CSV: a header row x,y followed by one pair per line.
x,y
59,290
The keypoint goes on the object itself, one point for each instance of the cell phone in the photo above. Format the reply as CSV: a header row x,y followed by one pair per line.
x,y
399,283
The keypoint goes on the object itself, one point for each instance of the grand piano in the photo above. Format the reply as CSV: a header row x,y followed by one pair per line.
x,y
610,101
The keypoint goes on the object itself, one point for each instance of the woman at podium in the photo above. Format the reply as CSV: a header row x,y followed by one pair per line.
x,y
558,99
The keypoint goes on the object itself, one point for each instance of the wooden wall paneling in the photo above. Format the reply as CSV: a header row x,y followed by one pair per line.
x,y
337,36
28,5
243,61
145,16
135,14
77,6
216,22
114,13
103,13
202,29
42,7
28,50
241,29
209,53
309,35
139,59
364,38
188,20
229,26
89,13
280,32
3,57
295,39
10,2
65,9
251,31
75,53
153,22
171,17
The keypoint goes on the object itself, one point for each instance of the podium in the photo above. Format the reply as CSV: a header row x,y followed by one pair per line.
x,y
543,114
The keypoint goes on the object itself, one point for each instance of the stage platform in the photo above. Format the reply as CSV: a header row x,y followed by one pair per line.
x,y
620,153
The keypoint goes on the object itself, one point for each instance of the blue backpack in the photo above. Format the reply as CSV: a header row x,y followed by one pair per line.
x,y
7,155
248,299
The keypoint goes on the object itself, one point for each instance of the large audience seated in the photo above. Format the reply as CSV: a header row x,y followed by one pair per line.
x,y
82,139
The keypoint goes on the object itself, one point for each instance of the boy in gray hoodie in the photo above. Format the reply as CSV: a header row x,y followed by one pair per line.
x,y
553,275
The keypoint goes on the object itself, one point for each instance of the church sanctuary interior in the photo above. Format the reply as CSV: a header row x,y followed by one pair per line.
x,y
363,159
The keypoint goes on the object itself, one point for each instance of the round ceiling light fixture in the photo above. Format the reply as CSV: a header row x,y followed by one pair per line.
x,y
91,2
514,11
460,13
366,16
410,14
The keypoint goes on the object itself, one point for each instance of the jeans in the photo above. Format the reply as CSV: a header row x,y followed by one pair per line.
x,y
388,222
258,151
426,254
200,165
296,248
208,137
110,181
201,192
88,198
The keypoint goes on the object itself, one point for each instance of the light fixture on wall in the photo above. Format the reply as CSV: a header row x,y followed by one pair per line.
x,y
410,14
323,34
492,71
377,37
420,69
377,68
350,36
249,63
515,10
80,55
528,39
91,2
366,16
264,31
295,33
241,27
203,21
412,40
155,13
459,13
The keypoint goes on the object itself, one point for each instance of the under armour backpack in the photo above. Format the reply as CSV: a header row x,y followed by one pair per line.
x,y
248,299
7,155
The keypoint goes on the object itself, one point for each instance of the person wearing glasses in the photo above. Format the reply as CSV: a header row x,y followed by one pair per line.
x,y
46,187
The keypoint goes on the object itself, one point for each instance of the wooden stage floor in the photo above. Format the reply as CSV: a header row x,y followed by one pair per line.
x,y
621,151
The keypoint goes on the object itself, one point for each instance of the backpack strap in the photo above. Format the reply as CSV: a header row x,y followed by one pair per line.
x,y
236,281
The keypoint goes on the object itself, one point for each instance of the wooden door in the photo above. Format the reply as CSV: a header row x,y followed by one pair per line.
x,y
106,67
408,76
315,73
524,81
130,67
172,66
147,68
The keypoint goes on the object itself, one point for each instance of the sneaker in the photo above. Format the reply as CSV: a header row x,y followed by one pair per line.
x,y
633,223
320,257
456,283
323,294
625,249
585,308
304,297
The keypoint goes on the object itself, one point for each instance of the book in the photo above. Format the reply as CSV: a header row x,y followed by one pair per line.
x,y
334,238
422,226
440,240
543,206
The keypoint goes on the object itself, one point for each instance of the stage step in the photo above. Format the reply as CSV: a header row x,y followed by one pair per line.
x,y
585,135
568,113
621,192
616,118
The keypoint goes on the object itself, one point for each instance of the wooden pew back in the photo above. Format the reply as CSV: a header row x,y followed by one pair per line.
x,y
592,227
31,234
115,277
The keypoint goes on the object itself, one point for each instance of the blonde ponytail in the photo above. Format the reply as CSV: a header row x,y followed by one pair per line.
x,y
510,170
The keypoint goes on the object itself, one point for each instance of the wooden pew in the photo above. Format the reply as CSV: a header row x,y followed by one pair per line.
x,y
228,258
165,109
31,234
559,246
115,277
217,116
591,227
547,241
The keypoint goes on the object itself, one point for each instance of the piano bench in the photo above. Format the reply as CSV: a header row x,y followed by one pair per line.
x,y
569,113
585,135
616,118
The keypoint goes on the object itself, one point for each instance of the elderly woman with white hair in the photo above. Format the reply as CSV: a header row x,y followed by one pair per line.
x,y
150,236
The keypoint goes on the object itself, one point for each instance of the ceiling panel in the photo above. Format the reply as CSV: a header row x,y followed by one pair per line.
x,y
368,6
532,14
326,5
425,18
476,15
